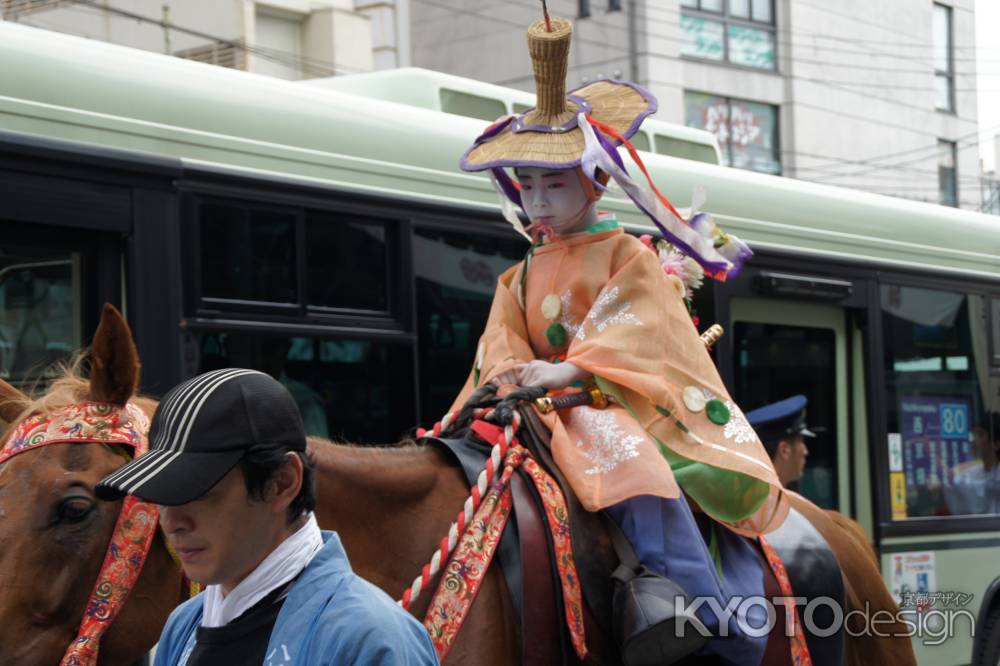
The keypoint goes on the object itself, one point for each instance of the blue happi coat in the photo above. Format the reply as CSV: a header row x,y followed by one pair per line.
x,y
331,617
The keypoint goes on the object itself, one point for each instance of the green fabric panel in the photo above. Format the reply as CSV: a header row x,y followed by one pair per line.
x,y
723,494
606,224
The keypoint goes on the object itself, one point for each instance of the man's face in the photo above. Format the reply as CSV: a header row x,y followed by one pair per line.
x,y
222,536
553,198
790,459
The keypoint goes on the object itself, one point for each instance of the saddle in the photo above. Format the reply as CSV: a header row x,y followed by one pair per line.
x,y
525,553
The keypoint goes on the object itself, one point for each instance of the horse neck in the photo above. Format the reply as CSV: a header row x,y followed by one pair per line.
x,y
390,506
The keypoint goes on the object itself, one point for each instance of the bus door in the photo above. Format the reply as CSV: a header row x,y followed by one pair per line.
x,y
789,334
784,348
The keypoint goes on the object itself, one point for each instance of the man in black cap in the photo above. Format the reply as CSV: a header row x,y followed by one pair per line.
x,y
228,466
782,428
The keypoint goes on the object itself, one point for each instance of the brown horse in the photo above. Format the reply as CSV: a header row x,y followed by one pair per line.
x,y
390,506
54,532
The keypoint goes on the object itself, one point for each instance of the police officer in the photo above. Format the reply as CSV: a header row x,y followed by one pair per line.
x,y
782,428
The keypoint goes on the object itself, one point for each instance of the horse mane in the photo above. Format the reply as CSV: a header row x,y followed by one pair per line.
x,y
406,470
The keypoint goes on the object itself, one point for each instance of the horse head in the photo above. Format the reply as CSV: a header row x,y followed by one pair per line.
x,y
54,532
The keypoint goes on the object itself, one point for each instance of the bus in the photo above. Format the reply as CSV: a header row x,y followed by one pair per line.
x,y
324,233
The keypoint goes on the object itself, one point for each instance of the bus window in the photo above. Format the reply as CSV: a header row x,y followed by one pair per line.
x,y
689,150
357,280
349,389
38,320
641,141
941,404
995,328
247,253
473,106
520,108
456,275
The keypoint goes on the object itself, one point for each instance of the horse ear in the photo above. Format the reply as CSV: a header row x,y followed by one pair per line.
x,y
114,360
12,402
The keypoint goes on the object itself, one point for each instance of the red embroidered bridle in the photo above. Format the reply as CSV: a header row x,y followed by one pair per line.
x,y
104,423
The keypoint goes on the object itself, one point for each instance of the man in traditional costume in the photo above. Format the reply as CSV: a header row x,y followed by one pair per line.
x,y
591,303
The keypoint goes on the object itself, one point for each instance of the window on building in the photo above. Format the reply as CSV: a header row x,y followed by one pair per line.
x,y
947,176
278,38
747,131
741,32
583,10
941,404
614,5
944,73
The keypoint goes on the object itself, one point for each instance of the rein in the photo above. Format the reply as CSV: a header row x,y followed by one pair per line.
x,y
477,530
91,422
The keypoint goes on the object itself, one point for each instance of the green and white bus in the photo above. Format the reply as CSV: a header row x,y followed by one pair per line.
x,y
323,232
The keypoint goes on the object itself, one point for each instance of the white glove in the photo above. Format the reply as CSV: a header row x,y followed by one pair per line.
x,y
552,376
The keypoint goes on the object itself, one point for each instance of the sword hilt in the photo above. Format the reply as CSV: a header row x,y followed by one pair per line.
x,y
590,396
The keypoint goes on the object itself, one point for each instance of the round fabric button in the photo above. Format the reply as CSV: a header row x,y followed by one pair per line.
x,y
717,412
556,335
694,398
551,307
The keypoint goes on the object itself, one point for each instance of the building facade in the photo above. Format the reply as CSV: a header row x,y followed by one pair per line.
x,y
289,39
873,96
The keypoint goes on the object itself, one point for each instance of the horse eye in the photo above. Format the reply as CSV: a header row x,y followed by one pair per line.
x,y
74,510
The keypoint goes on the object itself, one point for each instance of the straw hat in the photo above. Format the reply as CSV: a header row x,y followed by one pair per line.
x,y
548,135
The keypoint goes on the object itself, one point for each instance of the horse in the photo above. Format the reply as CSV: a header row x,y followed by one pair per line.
x,y
390,506
54,532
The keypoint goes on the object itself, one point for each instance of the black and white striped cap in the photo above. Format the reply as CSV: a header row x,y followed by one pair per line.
x,y
201,429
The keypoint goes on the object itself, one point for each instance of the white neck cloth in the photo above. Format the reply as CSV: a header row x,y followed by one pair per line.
x,y
283,564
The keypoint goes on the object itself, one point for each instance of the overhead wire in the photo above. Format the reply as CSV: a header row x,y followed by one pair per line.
x,y
836,163
315,66
836,85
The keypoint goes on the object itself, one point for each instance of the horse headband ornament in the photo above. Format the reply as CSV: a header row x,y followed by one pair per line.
x,y
85,422
584,129
99,422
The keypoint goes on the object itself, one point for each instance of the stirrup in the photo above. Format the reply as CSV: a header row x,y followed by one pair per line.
x,y
648,624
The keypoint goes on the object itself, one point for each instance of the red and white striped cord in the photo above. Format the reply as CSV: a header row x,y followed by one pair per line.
x,y
483,482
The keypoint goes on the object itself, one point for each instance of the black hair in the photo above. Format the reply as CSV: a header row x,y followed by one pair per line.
x,y
262,461
771,445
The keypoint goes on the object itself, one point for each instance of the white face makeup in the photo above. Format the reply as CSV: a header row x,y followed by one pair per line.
x,y
555,198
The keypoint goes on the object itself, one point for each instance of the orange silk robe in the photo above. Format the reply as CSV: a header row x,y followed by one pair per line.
x,y
628,326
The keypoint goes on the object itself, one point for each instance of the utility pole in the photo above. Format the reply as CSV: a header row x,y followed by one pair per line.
x,y
633,41
166,29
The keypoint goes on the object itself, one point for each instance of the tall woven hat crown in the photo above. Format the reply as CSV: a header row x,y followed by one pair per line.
x,y
548,135
549,58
